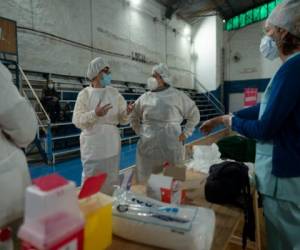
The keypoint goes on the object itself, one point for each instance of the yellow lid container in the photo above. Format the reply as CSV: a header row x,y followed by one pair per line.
x,y
97,211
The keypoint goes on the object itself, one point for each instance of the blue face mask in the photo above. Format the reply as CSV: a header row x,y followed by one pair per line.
x,y
106,79
268,48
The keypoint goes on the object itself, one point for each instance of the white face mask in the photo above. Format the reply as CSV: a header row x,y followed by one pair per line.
x,y
152,83
268,48
50,86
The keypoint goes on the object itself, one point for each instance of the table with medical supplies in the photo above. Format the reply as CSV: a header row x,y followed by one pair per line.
x,y
228,218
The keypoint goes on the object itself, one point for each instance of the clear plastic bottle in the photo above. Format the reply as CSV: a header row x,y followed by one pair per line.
x,y
6,242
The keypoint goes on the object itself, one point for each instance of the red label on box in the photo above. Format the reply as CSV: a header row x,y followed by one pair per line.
x,y
166,195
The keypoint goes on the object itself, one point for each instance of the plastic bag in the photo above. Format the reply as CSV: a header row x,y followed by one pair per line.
x,y
144,220
204,156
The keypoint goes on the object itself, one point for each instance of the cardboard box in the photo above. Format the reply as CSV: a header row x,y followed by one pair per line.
x,y
174,185
188,180
176,172
165,189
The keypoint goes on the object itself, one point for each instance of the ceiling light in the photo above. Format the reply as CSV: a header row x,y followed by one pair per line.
x,y
187,31
135,2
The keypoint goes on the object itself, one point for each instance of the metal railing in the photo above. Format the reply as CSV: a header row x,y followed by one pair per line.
x,y
37,99
44,125
215,101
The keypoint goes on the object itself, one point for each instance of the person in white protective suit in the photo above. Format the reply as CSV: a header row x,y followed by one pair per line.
x,y
98,110
157,118
18,127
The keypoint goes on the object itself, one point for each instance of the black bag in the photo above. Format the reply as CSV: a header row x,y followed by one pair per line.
x,y
228,183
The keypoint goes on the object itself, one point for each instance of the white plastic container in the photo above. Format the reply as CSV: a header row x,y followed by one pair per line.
x,y
52,216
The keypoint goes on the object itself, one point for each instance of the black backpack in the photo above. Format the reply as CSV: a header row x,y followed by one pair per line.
x,y
228,183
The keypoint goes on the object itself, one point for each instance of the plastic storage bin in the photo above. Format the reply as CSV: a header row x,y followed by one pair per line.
x,y
52,216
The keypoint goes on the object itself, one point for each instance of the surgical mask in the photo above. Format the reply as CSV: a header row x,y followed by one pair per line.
x,y
50,86
268,48
106,79
152,83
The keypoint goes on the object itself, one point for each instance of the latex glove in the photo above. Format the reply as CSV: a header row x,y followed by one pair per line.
x,y
130,107
209,125
182,137
102,110
227,120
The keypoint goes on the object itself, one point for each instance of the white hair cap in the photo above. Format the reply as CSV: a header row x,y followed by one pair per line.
x,y
163,71
287,16
95,66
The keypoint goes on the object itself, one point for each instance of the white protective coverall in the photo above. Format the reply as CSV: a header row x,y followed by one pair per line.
x,y
100,143
18,127
157,118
